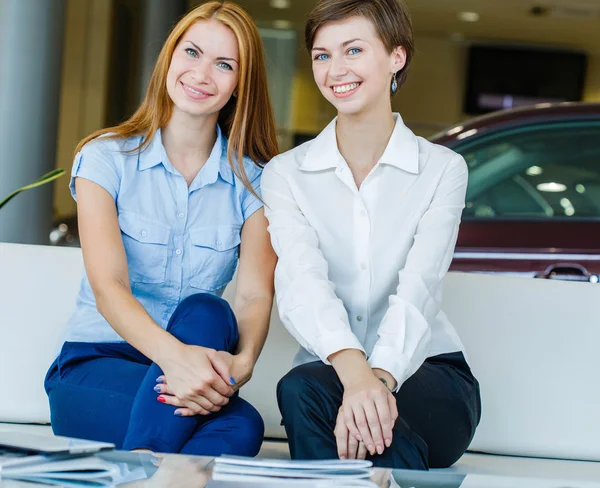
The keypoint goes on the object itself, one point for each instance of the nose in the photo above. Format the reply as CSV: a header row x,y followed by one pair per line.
x,y
201,72
337,67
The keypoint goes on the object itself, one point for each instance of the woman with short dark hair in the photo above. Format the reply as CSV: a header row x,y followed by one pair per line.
x,y
364,220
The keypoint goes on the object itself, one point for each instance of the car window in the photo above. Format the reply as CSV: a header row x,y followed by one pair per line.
x,y
544,171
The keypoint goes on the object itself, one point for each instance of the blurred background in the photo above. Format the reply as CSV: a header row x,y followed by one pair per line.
x,y
69,67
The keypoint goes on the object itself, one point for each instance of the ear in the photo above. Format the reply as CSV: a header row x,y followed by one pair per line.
x,y
397,59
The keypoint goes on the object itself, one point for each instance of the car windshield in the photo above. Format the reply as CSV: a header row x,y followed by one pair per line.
x,y
543,173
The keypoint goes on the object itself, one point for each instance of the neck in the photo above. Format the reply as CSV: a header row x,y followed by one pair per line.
x,y
363,137
188,141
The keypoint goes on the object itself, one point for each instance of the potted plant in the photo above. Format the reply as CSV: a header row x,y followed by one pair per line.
x,y
47,178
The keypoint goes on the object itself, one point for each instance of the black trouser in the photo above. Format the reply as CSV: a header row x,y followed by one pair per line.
x,y
439,408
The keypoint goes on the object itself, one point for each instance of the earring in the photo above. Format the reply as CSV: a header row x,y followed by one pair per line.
x,y
394,83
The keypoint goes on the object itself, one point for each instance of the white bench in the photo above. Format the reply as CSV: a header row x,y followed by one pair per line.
x,y
532,345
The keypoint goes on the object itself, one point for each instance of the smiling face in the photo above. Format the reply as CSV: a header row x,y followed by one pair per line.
x,y
204,69
352,67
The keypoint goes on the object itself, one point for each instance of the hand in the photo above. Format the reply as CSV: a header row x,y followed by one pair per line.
x,y
348,445
236,369
191,381
370,411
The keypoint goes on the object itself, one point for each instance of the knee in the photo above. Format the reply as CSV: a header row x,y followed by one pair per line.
x,y
204,304
249,429
204,320
296,390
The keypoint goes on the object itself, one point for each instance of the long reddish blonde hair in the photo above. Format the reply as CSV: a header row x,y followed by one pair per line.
x,y
247,120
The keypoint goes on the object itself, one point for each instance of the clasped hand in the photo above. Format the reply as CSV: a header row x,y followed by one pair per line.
x,y
199,380
366,418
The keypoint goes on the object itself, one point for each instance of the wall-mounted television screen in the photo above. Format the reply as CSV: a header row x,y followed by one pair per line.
x,y
502,77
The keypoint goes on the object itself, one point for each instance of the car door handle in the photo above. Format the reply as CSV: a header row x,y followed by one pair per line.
x,y
568,272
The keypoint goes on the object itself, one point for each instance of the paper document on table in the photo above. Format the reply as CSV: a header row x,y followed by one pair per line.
x,y
235,468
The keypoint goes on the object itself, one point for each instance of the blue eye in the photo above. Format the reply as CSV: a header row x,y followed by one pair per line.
x,y
321,57
192,52
225,66
354,50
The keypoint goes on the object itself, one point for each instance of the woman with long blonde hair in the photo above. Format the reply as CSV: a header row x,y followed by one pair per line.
x,y
152,357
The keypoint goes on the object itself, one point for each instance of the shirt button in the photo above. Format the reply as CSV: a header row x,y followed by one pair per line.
x,y
218,243
144,233
177,251
359,318
177,287
180,215
363,266
363,213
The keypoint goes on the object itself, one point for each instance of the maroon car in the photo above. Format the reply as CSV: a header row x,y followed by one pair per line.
x,y
533,200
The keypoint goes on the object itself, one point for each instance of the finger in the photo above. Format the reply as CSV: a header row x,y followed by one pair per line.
x,y
170,400
351,424
186,412
197,409
385,419
352,447
161,379
206,393
363,427
164,388
341,437
220,386
222,370
362,451
374,427
393,407
208,403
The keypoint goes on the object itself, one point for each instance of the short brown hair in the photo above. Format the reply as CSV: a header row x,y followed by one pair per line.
x,y
390,18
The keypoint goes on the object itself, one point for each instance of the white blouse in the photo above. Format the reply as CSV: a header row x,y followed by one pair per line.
x,y
363,268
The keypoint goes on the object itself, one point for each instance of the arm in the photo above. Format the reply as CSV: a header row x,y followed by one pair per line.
x,y
307,303
191,376
254,295
404,332
316,317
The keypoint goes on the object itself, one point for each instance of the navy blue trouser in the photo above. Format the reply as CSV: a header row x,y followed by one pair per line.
x,y
439,408
105,392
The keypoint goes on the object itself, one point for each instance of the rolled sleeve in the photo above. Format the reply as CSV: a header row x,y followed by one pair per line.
x,y
309,308
404,335
95,162
250,203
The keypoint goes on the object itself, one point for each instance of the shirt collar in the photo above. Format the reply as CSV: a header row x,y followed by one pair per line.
x,y
402,150
216,164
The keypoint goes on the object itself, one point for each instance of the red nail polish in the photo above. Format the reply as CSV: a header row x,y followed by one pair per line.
x,y
161,399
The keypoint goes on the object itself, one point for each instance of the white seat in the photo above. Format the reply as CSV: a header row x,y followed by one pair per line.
x,y
530,342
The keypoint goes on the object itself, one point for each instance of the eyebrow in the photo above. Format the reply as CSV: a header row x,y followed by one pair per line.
x,y
344,44
218,59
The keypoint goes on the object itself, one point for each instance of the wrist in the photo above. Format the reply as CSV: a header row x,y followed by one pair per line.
x,y
385,377
167,350
351,366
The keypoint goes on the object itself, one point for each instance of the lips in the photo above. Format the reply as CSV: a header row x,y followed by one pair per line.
x,y
195,93
342,90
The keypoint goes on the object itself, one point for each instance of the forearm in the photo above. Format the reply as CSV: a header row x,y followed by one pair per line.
x,y
350,365
253,316
131,321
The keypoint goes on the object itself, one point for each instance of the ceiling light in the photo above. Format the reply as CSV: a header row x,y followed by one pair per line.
x,y
280,3
468,16
282,24
534,171
552,187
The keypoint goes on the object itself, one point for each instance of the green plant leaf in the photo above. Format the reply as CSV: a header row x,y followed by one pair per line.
x,y
42,180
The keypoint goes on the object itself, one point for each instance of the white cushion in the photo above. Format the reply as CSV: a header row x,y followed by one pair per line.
x,y
531,344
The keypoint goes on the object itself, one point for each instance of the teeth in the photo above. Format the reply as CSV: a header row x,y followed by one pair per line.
x,y
345,88
191,90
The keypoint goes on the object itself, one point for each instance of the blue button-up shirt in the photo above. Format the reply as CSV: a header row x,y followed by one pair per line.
x,y
179,240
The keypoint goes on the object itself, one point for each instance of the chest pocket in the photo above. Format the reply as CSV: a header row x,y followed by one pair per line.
x,y
214,255
146,246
